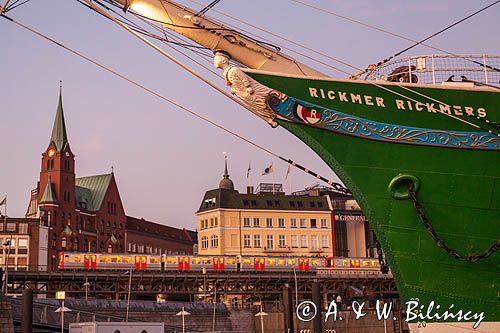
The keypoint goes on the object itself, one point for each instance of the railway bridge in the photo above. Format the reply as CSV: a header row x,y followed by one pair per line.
x,y
197,285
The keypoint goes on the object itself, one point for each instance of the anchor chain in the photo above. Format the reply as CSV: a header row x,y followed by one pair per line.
x,y
440,242
384,268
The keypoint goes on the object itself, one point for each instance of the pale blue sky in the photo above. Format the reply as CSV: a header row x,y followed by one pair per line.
x,y
164,159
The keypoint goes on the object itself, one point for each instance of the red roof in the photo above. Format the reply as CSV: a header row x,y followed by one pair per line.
x,y
155,229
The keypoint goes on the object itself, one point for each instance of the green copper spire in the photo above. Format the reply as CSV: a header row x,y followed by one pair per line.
x,y
59,137
48,194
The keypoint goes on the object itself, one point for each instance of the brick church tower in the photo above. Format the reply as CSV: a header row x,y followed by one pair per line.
x,y
83,214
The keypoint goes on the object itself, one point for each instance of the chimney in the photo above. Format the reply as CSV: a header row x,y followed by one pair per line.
x,y
249,189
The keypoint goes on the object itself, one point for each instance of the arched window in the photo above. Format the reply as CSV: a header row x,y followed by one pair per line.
x,y
63,242
69,217
101,247
85,245
204,242
63,219
76,245
120,231
110,248
93,246
48,164
54,241
215,241
101,227
114,228
108,227
71,243
49,218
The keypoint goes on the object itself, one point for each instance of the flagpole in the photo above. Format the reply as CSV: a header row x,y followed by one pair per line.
x,y
5,215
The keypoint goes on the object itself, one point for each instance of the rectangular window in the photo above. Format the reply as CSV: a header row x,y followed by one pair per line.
x,y
270,242
323,223
246,221
299,204
313,223
293,223
292,203
23,228
303,241
294,241
256,240
216,222
324,241
314,242
341,247
269,222
246,241
23,243
303,223
282,241
256,222
281,222
211,223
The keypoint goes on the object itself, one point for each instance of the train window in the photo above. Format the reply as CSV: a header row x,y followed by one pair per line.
x,y
315,262
78,258
115,259
271,261
231,261
195,261
104,259
281,262
291,261
206,261
375,263
154,260
247,261
127,259
171,260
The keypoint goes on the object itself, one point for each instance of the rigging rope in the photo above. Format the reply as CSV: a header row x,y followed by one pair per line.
x,y
239,102
151,91
397,35
207,8
447,28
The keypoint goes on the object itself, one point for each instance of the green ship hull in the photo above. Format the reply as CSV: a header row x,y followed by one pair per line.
x,y
458,182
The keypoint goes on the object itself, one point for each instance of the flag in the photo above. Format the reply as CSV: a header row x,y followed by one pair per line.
x,y
287,172
249,168
267,170
4,201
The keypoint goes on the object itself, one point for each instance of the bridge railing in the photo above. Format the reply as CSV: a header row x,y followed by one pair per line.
x,y
436,69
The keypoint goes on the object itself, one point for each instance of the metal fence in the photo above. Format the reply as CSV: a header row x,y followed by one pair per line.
x,y
435,69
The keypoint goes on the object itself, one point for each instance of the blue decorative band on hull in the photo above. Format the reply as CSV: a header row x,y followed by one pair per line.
x,y
300,111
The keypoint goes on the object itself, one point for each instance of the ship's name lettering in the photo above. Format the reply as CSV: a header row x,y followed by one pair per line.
x,y
406,105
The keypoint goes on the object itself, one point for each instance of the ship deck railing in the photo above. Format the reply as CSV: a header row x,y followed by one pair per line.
x,y
479,70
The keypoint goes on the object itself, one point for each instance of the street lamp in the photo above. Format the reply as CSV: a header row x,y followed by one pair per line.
x,y
62,296
261,314
128,295
86,285
183,313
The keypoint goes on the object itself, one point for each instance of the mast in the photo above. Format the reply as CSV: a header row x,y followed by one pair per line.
x,y
215,36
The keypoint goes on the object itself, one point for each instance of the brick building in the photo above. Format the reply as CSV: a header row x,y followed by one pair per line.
x,y
152,238
82,214
85,214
